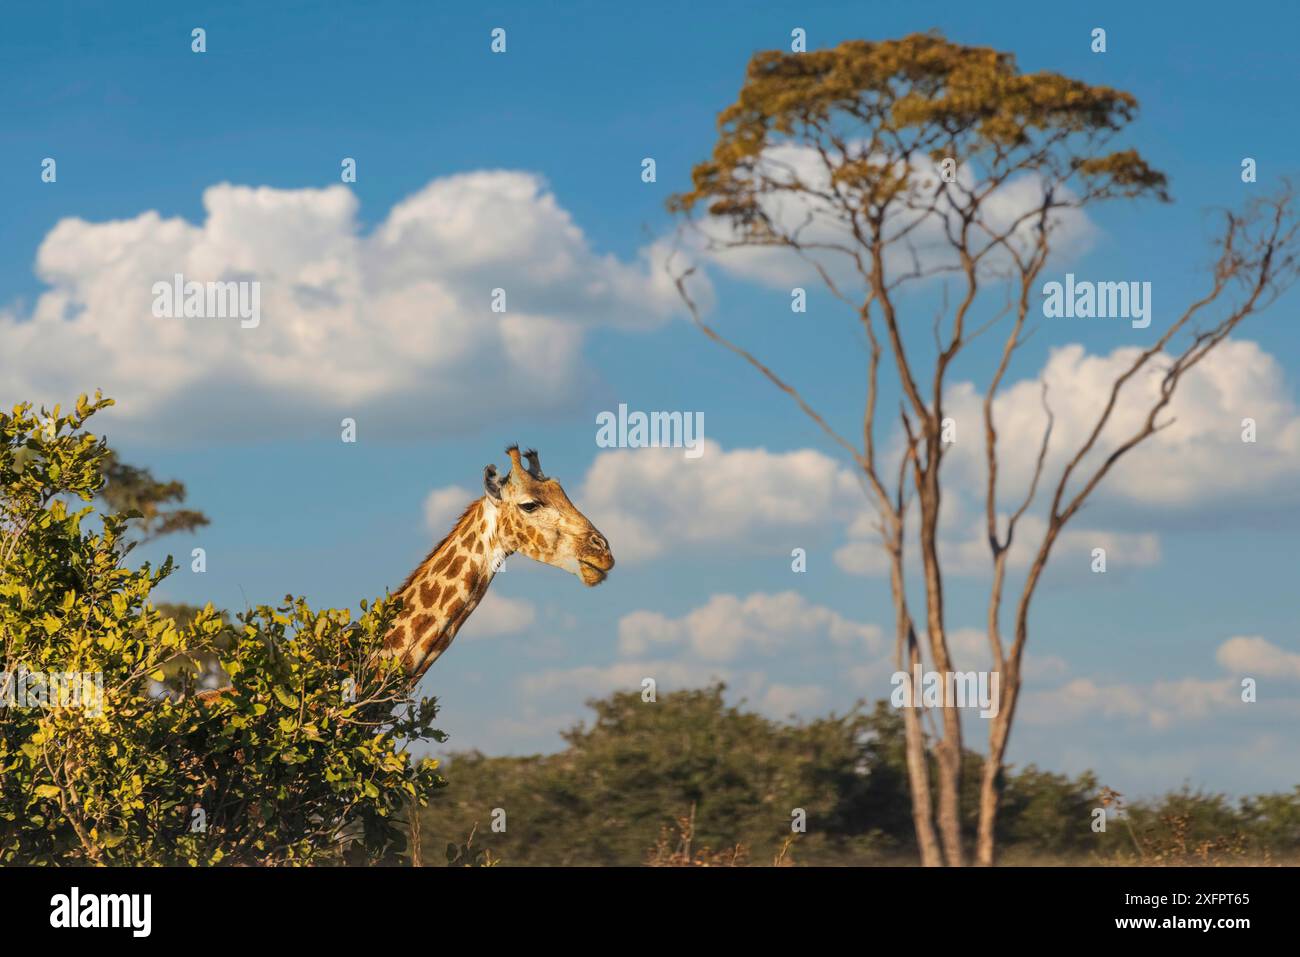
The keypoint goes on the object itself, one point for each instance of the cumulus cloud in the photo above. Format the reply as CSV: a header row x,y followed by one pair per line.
x,y
1163,704
969,649
1200,457
597,680
820,228
717,642
727,626
394,328
443,506
499,615
652,500
1160,705
970,555
965,551
775,699
1253,655
784,700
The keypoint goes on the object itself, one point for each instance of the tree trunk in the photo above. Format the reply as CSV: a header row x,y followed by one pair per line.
x,y
918,776
918,768
948,751
990,783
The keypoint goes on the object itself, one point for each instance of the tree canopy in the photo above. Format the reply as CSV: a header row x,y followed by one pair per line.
x,y
873,108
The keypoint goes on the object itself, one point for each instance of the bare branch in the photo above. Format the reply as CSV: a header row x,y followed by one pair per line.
x,y
680,282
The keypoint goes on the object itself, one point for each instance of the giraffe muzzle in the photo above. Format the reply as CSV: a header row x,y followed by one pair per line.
x,y
592,574
594,566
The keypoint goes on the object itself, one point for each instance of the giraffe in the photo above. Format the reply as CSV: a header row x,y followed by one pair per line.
x,y
524,512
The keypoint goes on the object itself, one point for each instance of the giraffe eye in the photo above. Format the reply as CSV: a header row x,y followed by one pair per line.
x,y
530,506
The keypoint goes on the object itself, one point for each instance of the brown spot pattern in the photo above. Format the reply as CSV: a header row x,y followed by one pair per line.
x,y
429,592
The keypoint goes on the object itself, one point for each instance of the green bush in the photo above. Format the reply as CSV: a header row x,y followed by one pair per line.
x,y
637,769
305,762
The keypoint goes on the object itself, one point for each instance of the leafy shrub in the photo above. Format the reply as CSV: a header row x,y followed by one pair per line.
x,y
306,761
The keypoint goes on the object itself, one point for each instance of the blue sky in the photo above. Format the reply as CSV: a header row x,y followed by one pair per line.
x,y
139,123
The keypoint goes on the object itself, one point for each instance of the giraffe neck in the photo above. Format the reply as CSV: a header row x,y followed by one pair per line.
x,y
446,588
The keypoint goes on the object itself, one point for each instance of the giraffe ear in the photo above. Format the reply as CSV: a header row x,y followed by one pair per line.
x,y
491,484
534,465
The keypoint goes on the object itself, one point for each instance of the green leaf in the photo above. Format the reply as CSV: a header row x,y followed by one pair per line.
x,y
287,698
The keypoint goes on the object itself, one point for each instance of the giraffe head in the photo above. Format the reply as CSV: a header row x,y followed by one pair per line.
x,y
535,517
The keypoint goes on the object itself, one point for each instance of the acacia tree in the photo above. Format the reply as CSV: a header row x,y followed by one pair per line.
x,y
885,166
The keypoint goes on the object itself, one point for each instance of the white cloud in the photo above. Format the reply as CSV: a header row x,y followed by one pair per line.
x,y
707,645
1252,655
443,506
499,615
1044,667
969,647
597,681
971,555
1160,705
969,650
1199,458
394,328
559,686
965,552
653,500
727,626
818,226
784,700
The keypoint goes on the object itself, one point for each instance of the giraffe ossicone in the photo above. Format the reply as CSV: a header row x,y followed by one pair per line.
x,y
524,512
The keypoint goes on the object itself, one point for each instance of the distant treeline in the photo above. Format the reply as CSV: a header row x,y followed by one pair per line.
x,y
692,779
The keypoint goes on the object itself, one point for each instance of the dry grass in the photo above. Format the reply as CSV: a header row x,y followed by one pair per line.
x,y
1170,843
678,850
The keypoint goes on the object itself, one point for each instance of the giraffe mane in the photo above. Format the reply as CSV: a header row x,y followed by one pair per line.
x,y
436,548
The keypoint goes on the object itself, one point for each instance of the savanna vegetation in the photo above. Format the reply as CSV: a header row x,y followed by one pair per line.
x,y
106,754
691,780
